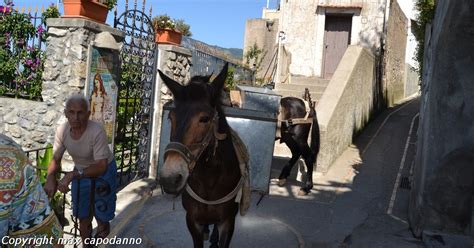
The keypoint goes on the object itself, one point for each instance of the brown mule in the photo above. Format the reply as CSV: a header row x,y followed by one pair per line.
x,y
201,161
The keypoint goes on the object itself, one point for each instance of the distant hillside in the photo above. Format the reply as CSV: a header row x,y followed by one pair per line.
x,y
234,53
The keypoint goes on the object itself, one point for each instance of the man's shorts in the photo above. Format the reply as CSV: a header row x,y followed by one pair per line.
x,y
99,202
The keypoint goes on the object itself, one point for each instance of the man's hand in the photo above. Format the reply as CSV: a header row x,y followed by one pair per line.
x,y
63,184
51,186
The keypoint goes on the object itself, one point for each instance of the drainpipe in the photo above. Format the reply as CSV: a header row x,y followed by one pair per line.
x,y
383,39
280,37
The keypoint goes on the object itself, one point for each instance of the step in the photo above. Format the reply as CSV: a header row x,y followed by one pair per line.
x,y
308,80
284,93
319,87
281,150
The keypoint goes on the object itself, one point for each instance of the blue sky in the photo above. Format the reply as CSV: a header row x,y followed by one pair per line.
x,y
216,22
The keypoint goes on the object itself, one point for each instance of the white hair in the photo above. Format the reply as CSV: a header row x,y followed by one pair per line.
x,y
78,98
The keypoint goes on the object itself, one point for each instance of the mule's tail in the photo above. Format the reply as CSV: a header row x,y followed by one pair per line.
x,y
315,142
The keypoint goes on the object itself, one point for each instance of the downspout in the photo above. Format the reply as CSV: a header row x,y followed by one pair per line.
x,y
381,78
280,47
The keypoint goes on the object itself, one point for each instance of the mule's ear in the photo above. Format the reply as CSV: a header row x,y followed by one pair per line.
x,y
174,86
218,82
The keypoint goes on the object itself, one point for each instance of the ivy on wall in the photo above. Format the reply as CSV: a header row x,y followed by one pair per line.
x,y
426,9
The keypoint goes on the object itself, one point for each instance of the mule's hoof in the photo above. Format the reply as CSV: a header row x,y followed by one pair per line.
x,y
281,182
303,192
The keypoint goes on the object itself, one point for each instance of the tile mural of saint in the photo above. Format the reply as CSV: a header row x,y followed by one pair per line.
x,y
102,92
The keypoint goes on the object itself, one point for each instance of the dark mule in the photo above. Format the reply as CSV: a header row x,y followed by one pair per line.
x,y
201,157
294,133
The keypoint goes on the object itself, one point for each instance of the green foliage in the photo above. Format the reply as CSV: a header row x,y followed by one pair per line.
x,y
43,162
51,12
230,83
21,62
109,3
128,102
255,56
263,81
182,27
426,10
165,22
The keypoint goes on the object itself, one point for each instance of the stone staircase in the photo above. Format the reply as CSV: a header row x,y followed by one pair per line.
x,y
296,88
297,85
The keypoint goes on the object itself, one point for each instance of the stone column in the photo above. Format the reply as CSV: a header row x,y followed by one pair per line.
x,y
66,52
175,62
65,68
31,123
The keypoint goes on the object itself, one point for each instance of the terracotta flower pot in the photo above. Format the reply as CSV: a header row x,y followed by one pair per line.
x,y
87,9
168,36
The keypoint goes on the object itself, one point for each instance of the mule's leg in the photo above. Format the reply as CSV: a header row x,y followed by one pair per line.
x,y
205,232
309,159
214,237
295,155
196,231
226,230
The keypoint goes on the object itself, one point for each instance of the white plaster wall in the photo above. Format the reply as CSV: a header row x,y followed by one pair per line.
x,y
408,8
303,23
299,22
411,48
270,14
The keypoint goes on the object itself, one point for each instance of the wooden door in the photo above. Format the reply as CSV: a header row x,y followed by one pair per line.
x,y
337,36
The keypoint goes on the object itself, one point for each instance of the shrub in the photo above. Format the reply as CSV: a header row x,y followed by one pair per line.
x,y
254,58
165,22
426,10
109,3
21,61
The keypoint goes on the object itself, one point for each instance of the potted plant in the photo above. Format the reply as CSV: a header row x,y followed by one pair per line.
x,y
96,10
169,31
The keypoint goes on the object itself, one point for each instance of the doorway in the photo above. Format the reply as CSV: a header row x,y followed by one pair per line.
x,y
337,37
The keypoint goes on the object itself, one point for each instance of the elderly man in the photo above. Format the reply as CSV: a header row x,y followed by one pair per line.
x,y
93,179
24,207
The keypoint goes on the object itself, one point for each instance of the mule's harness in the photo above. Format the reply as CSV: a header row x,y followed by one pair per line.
x,y
296,121
185,151
191,159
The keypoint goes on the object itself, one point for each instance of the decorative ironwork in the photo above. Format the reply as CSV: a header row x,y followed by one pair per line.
x,y
136,93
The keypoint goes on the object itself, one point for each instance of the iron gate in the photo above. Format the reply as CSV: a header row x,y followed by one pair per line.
x,y
136,94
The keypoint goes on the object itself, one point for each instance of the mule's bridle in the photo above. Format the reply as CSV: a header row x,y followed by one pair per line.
x,y
186,151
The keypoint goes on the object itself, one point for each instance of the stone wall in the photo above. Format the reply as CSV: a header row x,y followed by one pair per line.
x,y
33,124
175,62
440,199
394,59
346,104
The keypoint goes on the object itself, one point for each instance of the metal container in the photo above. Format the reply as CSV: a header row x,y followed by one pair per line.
x,y
260,99
257,131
